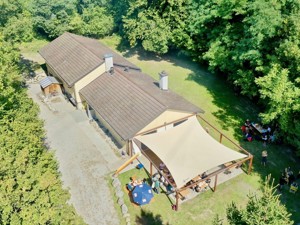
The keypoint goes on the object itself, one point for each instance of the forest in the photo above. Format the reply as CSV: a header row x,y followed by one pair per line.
x,y
254,44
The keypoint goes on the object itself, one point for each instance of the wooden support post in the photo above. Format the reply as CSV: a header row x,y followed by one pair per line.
x,y
221,136
216,180
126,164
130,148
177,196
250,164
151,169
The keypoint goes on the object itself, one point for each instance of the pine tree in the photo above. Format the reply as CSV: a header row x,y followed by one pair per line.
x,y
261,210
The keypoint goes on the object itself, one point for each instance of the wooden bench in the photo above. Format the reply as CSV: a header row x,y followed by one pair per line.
x,y
227,165
184,193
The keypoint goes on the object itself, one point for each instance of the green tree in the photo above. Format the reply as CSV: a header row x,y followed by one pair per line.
x,y
282,99
19,28
53,17
243,40
85,4
97,22
30,189
157,25
8,9
263,210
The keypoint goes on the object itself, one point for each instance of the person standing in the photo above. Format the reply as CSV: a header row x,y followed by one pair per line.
x,y
247,123
155,184
264,157
264,138
282,181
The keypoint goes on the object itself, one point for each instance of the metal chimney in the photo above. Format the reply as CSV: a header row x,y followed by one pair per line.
x,y
108,62
163,80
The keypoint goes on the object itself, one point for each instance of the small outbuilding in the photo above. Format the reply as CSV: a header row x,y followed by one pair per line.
x,y
50,85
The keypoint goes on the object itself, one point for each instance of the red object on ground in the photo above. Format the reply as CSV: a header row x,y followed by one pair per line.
x,y
243,128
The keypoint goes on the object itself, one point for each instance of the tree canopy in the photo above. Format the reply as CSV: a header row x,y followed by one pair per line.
x,y
265,209
157,25
31,190
252,42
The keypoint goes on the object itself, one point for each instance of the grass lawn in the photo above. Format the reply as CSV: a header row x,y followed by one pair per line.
x,y
199,210
226,111
30,50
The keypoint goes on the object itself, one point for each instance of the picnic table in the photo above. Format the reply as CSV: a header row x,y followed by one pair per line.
x,y
257,127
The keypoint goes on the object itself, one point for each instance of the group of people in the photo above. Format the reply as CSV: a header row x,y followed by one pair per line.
x,y
266,135
159,182
288,178
134,182
199,186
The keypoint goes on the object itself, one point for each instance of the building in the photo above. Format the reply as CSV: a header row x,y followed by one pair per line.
x,y
139,112
113,90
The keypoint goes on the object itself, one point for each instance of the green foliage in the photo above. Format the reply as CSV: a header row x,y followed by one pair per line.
x,y
96,22
30,189
53,17
282,99
244,40
9,9
19,29
85,4
9,58
217,220
263,210
150,29
157,25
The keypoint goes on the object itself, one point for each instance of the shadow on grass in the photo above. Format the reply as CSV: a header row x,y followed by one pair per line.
x,y
148,218
28,67
233,109
143,55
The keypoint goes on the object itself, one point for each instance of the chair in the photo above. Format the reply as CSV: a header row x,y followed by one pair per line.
x,y
140,166
129,187
243,128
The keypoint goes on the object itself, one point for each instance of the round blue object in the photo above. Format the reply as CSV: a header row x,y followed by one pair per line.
x,y
142,194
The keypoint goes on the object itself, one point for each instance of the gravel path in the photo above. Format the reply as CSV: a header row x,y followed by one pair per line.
x,y
84,157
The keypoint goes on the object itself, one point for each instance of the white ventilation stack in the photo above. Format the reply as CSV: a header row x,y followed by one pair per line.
x,y
109,64
163,80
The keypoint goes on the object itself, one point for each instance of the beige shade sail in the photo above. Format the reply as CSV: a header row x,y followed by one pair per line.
x,y
188,150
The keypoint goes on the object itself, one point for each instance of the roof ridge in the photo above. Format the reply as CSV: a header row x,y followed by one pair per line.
x,y
167,107
72,36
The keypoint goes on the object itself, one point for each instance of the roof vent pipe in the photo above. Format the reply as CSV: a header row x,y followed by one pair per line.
x,y
163,80
108,62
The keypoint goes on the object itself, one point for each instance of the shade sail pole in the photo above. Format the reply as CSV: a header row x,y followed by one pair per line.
x,y
221,136
130,147
216,180
177,196
250,164
151,172
126,164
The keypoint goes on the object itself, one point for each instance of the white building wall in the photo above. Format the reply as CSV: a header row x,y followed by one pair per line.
x,y
166,117
85,81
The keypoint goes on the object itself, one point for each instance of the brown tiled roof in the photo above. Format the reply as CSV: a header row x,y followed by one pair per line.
x,y
73,56
168,98
123,105
128,101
